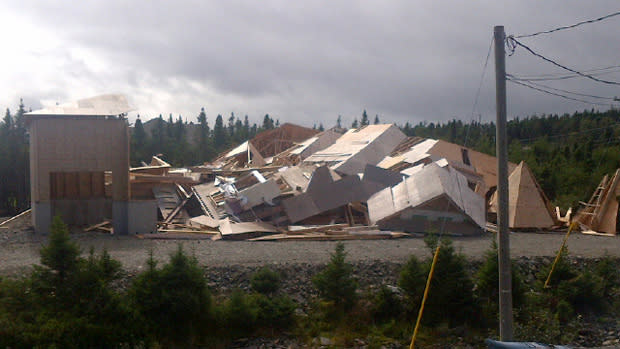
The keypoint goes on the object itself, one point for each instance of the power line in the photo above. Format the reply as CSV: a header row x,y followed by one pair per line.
x,y
585,71
555,94
560,90
473,109
560,77
549,77
569,26
513,43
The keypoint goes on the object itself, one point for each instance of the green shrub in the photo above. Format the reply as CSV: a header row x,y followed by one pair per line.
x,y
67,302
240,314
607,270
265,281
562,271
584,293
412,281
274,312
487,286
174,302
386,305
335,283
571,291
450,298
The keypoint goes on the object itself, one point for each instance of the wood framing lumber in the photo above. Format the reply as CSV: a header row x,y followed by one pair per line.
x,y
15,217
97,226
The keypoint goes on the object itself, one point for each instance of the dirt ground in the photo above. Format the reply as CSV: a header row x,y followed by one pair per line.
x,y
19,248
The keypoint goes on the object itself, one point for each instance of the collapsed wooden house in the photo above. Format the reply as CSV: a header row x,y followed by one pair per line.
x,y
316,187
288,183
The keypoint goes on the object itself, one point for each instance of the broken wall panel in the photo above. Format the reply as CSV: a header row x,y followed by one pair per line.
x,y
259,193
325,194
412,205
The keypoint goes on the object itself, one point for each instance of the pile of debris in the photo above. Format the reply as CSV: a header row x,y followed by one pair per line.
x,y
599,216
294,183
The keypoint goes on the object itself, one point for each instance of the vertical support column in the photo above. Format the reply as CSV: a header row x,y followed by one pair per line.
x,y
120,179
505,277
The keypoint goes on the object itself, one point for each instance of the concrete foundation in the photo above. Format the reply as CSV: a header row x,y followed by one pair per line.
x,y
142,217
42,216
120,217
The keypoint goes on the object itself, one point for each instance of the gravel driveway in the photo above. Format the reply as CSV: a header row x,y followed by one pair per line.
x,y
19,250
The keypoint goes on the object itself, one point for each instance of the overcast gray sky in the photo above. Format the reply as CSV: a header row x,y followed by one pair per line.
x,y
300,61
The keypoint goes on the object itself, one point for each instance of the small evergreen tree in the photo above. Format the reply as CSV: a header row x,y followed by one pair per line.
x,y
412,281
335,283
173,302
487,287
365,120
265,281
451,298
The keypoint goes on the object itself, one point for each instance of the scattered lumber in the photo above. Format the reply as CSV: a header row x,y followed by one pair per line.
x,y
99,226
16,217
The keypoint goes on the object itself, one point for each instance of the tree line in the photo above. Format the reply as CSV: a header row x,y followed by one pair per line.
x,y
568,154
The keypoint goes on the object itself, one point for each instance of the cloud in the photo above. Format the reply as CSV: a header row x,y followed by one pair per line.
x,y
301,62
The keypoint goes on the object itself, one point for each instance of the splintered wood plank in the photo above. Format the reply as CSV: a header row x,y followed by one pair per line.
x,y
299,229
97,226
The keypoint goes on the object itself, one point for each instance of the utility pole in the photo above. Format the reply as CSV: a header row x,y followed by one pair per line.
x,y
505,277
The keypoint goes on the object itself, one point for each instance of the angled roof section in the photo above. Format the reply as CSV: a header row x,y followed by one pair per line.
x,y
528,207
359,147
300,151
274,141
485,165
478,167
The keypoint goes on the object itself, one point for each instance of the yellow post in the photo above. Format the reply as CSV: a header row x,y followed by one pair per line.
x,y
428,286
557,258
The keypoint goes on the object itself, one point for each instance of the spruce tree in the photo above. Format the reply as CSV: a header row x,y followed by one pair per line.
x,y
219,133
365,120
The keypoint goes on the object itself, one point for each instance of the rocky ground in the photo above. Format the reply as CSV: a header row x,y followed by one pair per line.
x,y
229,264
19,248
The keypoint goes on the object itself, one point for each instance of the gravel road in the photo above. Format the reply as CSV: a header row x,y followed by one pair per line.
x,y
20,249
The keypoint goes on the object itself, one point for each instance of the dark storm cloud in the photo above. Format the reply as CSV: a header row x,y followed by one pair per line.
x,y
404,60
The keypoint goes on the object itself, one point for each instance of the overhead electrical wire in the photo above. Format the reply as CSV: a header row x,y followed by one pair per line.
x,y
552,77
568,26
473,109
555,94
512,44
512,77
